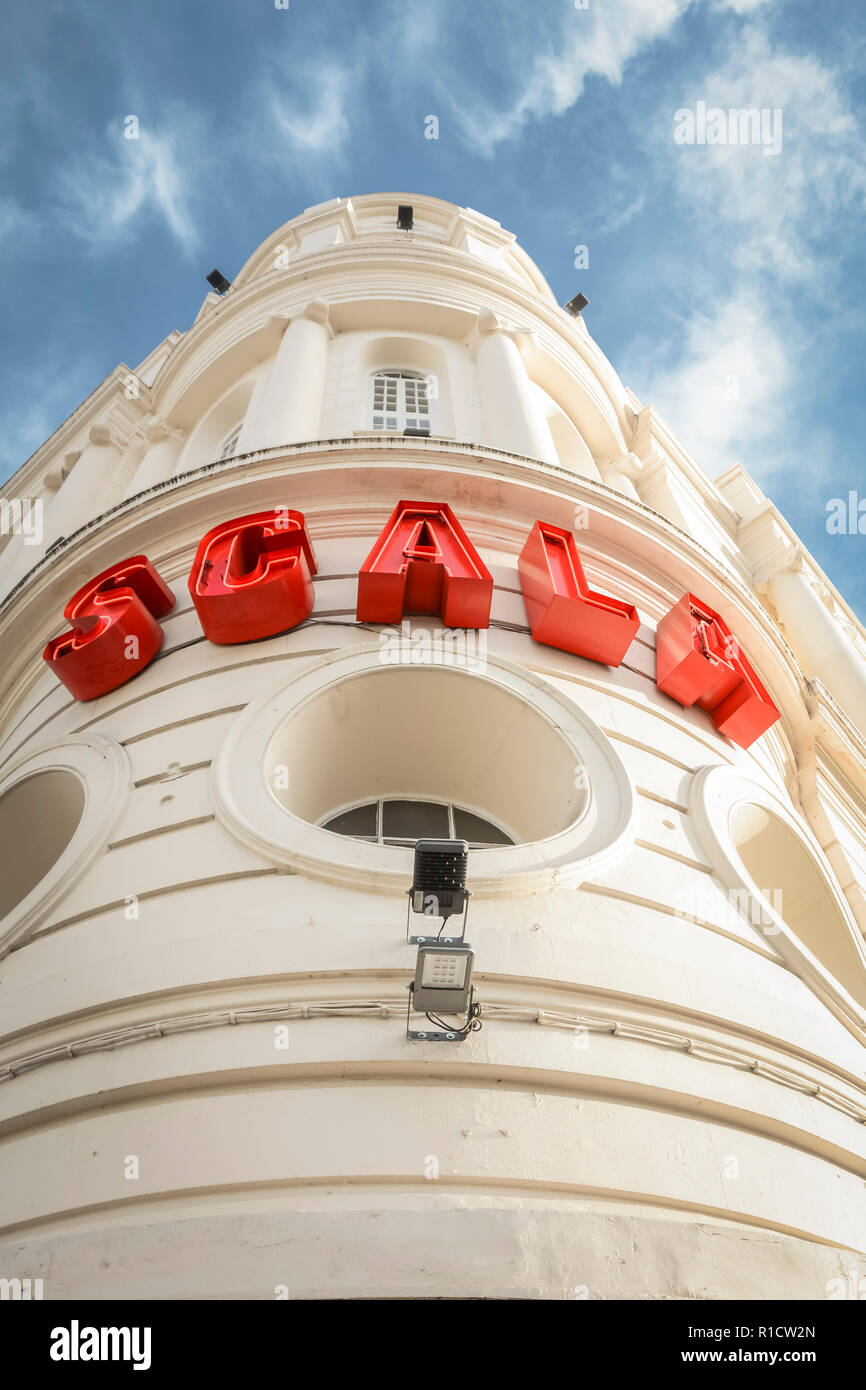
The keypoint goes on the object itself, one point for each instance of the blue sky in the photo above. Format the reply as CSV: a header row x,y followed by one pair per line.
x,y
726,284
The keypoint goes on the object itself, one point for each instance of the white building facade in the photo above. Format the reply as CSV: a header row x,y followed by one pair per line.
x,y
206,1089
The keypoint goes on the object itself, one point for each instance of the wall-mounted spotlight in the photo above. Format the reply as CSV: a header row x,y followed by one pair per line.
x,y
219,282
443,969
443,984
439,883
405,217
576,306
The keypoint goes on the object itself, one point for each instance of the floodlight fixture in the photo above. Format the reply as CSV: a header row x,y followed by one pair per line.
x,y
443,985
439,883
405,217
219,282
576,306
416,433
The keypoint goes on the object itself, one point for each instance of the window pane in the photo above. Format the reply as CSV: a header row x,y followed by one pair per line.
x,y
477,830
361,820
414,820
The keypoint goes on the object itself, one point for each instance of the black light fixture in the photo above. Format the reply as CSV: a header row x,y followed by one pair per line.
x,y
405,217
219,282
443,968
576,306
414,433
439,882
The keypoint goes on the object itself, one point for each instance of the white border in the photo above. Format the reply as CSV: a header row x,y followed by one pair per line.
x,y
713,794
245,806
104,769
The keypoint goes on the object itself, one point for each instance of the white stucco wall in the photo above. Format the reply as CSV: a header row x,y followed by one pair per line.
x,y
666,1098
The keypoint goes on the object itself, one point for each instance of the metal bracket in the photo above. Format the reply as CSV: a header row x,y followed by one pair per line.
x,y
433,936
431,1034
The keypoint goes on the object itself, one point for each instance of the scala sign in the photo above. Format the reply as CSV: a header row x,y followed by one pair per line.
x,y
253,577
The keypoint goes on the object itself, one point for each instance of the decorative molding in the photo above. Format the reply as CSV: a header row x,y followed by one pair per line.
x,y
713,793
600,835
672,1037
103,767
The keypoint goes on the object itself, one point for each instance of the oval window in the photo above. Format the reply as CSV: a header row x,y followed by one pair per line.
x,y
791,883
38,818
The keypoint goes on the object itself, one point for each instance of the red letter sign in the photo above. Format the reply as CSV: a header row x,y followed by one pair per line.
x,y
423,562
115,633
252,577
700,663
563,611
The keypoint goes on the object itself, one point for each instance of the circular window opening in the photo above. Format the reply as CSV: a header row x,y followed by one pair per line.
x,y
38,818
788,879
384,754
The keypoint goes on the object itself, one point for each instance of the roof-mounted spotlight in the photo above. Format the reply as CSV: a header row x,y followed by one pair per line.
x,y
416,433
405,217
439,884
219,282
576,306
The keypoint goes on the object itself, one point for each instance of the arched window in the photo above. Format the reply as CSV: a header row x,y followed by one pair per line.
x,y
400,401
400,821
230,443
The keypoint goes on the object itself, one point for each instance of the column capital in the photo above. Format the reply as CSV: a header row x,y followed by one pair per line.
x,y
157,429
105,435
646,445
626,465
317,311
770,547
489,324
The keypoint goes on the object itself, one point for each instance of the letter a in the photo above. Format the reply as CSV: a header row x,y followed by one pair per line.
x,y
423,562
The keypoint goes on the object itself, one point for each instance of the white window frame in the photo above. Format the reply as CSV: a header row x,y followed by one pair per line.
x,y
229,445
397,841
391,384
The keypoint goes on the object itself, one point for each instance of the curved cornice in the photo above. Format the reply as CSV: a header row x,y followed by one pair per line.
x,y
353,273
364,473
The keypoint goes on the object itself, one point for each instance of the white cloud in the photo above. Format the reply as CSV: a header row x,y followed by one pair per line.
x,y
15,221
782,209
740,6
773,227
102,196
322,126
600,40
725,394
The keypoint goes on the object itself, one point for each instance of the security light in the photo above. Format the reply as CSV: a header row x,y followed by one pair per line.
x,y
405,217
443,982
420,434
576,306
219,282
439,879
443,978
